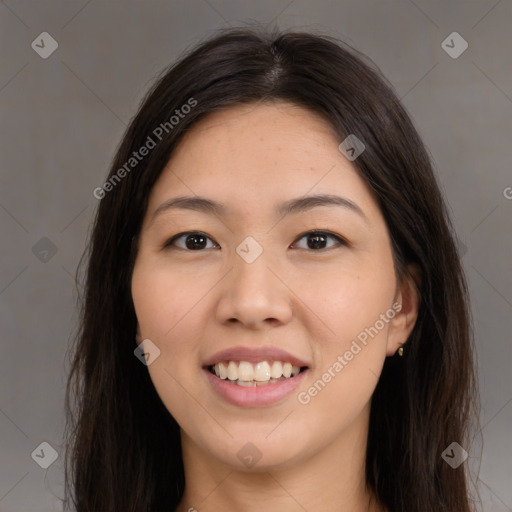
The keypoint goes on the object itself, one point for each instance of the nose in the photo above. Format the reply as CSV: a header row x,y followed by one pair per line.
x,y
254,295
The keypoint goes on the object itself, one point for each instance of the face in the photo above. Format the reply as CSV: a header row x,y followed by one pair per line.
x,y
267,279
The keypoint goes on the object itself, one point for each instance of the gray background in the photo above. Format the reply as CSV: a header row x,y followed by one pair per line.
x,y
63,116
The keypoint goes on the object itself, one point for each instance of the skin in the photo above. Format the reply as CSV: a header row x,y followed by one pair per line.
x,y
311,302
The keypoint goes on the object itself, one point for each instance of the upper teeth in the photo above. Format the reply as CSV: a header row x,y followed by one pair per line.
x,y
261,372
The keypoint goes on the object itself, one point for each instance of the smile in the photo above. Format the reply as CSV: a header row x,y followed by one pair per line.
x,y
246,374
249,392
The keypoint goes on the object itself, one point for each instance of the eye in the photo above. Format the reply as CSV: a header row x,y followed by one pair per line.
x,y
317,239
194,240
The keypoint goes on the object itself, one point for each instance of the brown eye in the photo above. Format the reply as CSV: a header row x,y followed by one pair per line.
x,y
317,240
194,241
197,241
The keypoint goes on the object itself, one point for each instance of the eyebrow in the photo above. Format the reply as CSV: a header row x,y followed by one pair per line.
x,y
293,206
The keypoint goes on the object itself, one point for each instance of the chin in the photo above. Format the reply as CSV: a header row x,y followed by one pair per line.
x,y
250,451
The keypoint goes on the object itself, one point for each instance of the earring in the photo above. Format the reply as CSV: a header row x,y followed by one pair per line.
x,y
401,351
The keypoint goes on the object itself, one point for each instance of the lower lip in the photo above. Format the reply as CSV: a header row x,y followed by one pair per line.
x,y
257,396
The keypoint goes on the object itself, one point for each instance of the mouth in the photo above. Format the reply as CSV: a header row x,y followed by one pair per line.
x,y
254,377
258,374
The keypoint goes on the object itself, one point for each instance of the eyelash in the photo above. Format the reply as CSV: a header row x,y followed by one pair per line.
x,y
329,234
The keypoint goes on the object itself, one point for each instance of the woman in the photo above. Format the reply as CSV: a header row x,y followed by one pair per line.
x,y
275,314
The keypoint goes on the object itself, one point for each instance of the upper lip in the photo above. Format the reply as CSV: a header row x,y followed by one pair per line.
x,y
254,355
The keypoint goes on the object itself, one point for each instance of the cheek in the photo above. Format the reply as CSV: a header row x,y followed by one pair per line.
x,y
167,306
348,300
354,309
349,362
169,310
164,300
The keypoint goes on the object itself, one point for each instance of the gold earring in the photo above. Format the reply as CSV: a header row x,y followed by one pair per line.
x,y
401,351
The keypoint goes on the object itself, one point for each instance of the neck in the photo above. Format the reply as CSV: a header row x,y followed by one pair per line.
x,y
332,480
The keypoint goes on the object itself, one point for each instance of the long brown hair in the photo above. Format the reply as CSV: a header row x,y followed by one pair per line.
x,y
123,445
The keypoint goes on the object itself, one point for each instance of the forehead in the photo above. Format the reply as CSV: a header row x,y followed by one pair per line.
x,y
253,156
282,129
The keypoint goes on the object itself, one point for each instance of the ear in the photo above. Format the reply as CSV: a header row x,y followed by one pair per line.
x,y
138,337
408,295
